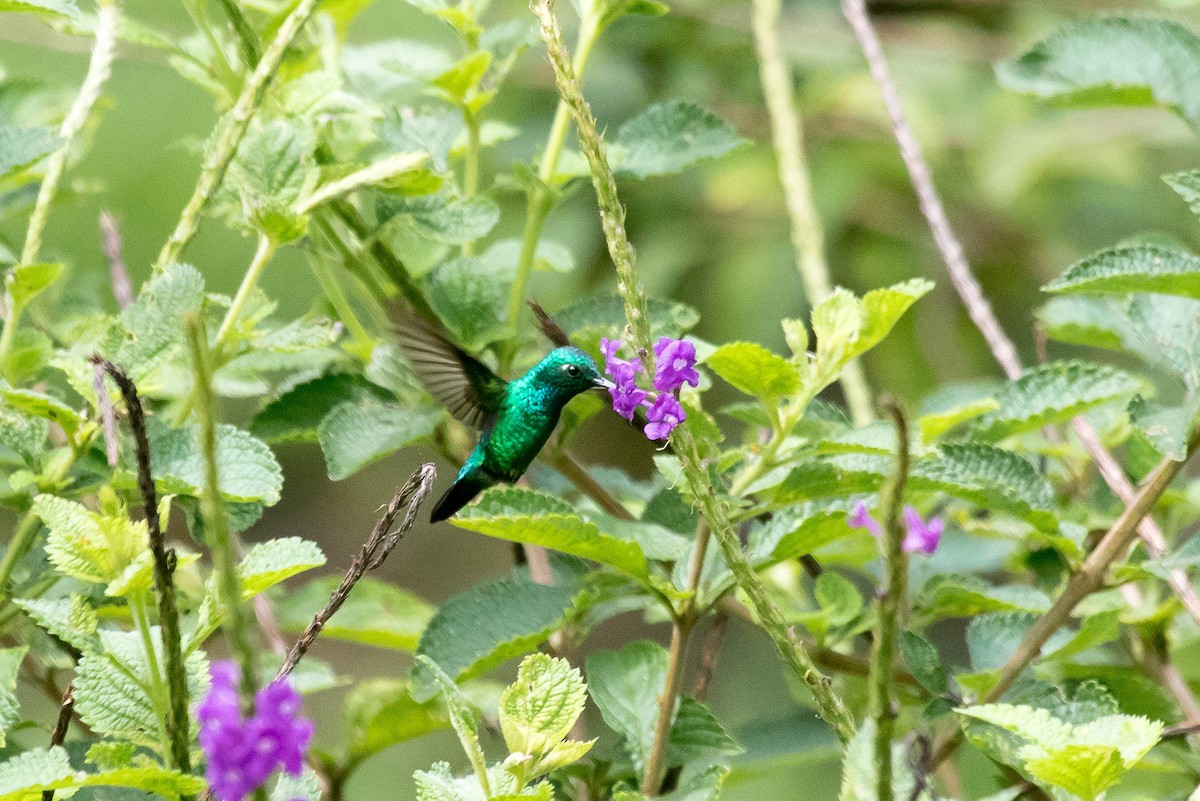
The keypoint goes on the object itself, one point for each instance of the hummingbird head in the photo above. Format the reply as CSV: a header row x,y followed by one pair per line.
x,y
570,371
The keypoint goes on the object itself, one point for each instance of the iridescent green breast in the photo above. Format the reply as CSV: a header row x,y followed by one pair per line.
x,y
523,425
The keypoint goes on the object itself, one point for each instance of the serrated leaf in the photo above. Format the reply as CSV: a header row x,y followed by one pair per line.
x,y
87,545
37,404
935,424
464,76
859,772
1054,393
10,666
1092,320
71,620
993,637
1133,268
21,147
625,685
753,369
1034,724
1085,771
968,596
30,771
476,630
538,710
519,515
669,137
470,299
442,217
23,435
113,701
375,613
246,468
356,433
153,333
838,598
883,308
697,736
274,168
1166,428
992,478
268,563
1136,60
923,662
53,9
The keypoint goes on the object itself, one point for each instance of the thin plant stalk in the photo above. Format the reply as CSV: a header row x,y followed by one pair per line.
x,y
808,239
229,132
881,704
715,513
262,254
212,508
99,69
248,40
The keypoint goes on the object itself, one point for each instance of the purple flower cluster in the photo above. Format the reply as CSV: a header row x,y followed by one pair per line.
x,y
675,366
921,536
242,753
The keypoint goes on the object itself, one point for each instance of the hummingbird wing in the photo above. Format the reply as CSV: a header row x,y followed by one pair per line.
x,y
549,327
467,387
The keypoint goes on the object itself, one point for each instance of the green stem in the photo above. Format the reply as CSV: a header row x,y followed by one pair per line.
x,y
229,132
262,255
158,689
212,506
247,39
891,601
612,218
471,166
98,71
341,304
20,544
540,201
805,225
229,76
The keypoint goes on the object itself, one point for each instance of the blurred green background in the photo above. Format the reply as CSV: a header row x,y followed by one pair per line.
x,y
1029,188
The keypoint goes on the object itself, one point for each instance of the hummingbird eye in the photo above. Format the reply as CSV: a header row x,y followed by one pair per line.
x,y
571,369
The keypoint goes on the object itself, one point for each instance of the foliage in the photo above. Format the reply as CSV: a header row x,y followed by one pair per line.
x,y
399,170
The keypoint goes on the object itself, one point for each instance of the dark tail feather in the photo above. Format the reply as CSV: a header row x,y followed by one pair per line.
x,y
459,495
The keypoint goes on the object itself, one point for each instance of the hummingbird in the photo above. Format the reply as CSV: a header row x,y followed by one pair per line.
x,y
515,418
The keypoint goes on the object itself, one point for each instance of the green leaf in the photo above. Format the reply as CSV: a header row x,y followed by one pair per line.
x,y
296,415
882,309
52,9
1092,320
753,369
21,147
603,314
110,686
29,772
609,11
1165,331
375,613
305,787
442,217
273,170
476,630
462,716
846,327
669,137
1085,771
538,710
967,596
697,736
37,404
519,515
934,425
268,563
71,620
10,666
1133,268
153,333
992,478
1054,393
87,545
470,299
859,773
246,467
1137,60
1187,186
25,436
26,281
356,433
625,685
838,598
456,82
923,662
1167,429
382,712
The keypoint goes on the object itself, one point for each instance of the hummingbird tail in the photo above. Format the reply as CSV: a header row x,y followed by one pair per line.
x,y
459,495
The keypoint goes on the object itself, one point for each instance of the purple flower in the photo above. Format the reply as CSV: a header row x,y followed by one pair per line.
x,y
664,414
626,395
242,753
675,364
861,518
922,537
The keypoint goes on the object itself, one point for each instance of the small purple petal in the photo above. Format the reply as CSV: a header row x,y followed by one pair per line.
x,y
664,414
922,537
675,364
861,518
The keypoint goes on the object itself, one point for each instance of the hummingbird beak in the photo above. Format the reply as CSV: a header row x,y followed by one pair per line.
x,y
603,383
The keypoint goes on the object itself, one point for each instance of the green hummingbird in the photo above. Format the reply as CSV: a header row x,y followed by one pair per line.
x,y
515,418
